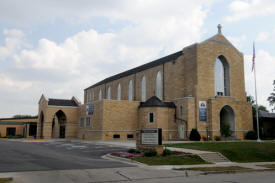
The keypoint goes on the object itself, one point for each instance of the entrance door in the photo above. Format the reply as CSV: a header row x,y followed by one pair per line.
x,y
11,132
181,131
62,132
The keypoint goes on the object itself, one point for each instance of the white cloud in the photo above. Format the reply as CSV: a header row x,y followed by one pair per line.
x,y
265,64
14,41
243,9
10,84
64,69
266,36
238,41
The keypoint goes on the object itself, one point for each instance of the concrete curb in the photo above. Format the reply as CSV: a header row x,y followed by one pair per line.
x,y
234,171
125,160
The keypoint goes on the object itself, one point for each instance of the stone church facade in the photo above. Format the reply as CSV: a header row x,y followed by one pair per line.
x,y
201,86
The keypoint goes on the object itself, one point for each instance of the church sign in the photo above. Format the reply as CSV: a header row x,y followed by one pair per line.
x,y
202,111
152,136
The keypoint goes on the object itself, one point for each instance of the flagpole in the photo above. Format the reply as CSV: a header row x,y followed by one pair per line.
x,y
257,116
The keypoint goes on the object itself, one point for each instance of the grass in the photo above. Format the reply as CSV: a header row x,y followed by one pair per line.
x,y
184,159
272,166
236,151
216,169
5,180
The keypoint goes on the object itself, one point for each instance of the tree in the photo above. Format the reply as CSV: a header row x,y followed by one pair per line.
x,y
271,98
251,100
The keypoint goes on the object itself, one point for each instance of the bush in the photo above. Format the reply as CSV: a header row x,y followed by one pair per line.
x,y
133,151
194,135
150,153
251,135
217,138
166,152
225,130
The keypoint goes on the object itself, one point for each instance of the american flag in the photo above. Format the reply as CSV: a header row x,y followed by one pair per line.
x,y
253,57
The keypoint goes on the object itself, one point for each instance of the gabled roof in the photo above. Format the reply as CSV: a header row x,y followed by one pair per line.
x,y
149,65
156,102
62,102
264,114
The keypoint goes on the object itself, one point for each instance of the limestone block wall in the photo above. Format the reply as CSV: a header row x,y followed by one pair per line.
x,y
94,131
18,129
242,112
188,104
174,79
119,118
111,117
207,52
48,112
163,118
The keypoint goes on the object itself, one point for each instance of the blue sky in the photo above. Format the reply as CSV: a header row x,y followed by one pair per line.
x,y
58,48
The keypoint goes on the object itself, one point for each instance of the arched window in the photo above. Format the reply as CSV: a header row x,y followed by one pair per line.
x,y
118,92
92,96
222,80
109,93
130,90
159,85
100,94
143,89
87,96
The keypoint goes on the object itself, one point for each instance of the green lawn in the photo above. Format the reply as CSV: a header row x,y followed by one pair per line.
x,y
236,151
185,159
5,180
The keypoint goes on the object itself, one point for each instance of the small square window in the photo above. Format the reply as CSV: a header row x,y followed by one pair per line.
x,y
151,117
130,136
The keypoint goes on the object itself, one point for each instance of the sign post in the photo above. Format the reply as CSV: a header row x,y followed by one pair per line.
x,y
150,138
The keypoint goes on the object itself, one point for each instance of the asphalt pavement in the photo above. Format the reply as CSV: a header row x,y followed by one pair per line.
x,y
17,156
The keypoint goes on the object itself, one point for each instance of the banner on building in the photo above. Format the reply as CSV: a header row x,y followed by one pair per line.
x,y
202,111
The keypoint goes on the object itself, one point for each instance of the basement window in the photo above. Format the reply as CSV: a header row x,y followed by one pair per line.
x,y
130,136
116,136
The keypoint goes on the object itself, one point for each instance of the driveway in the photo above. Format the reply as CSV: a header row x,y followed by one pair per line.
x,y
55,155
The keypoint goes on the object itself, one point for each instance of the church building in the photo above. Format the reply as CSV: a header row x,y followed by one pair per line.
x,y
201,86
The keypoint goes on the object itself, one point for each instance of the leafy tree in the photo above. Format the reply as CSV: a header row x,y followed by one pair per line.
x,y
271,98
225,130
251,100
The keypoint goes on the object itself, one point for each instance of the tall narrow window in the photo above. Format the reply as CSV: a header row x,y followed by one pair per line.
x,y
109,93
87,97
222,83
130,90
159,85
100,94
181,112
143,89
92,96
118,92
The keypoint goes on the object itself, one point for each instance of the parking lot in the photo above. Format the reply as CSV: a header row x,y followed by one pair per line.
x,y
55,155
